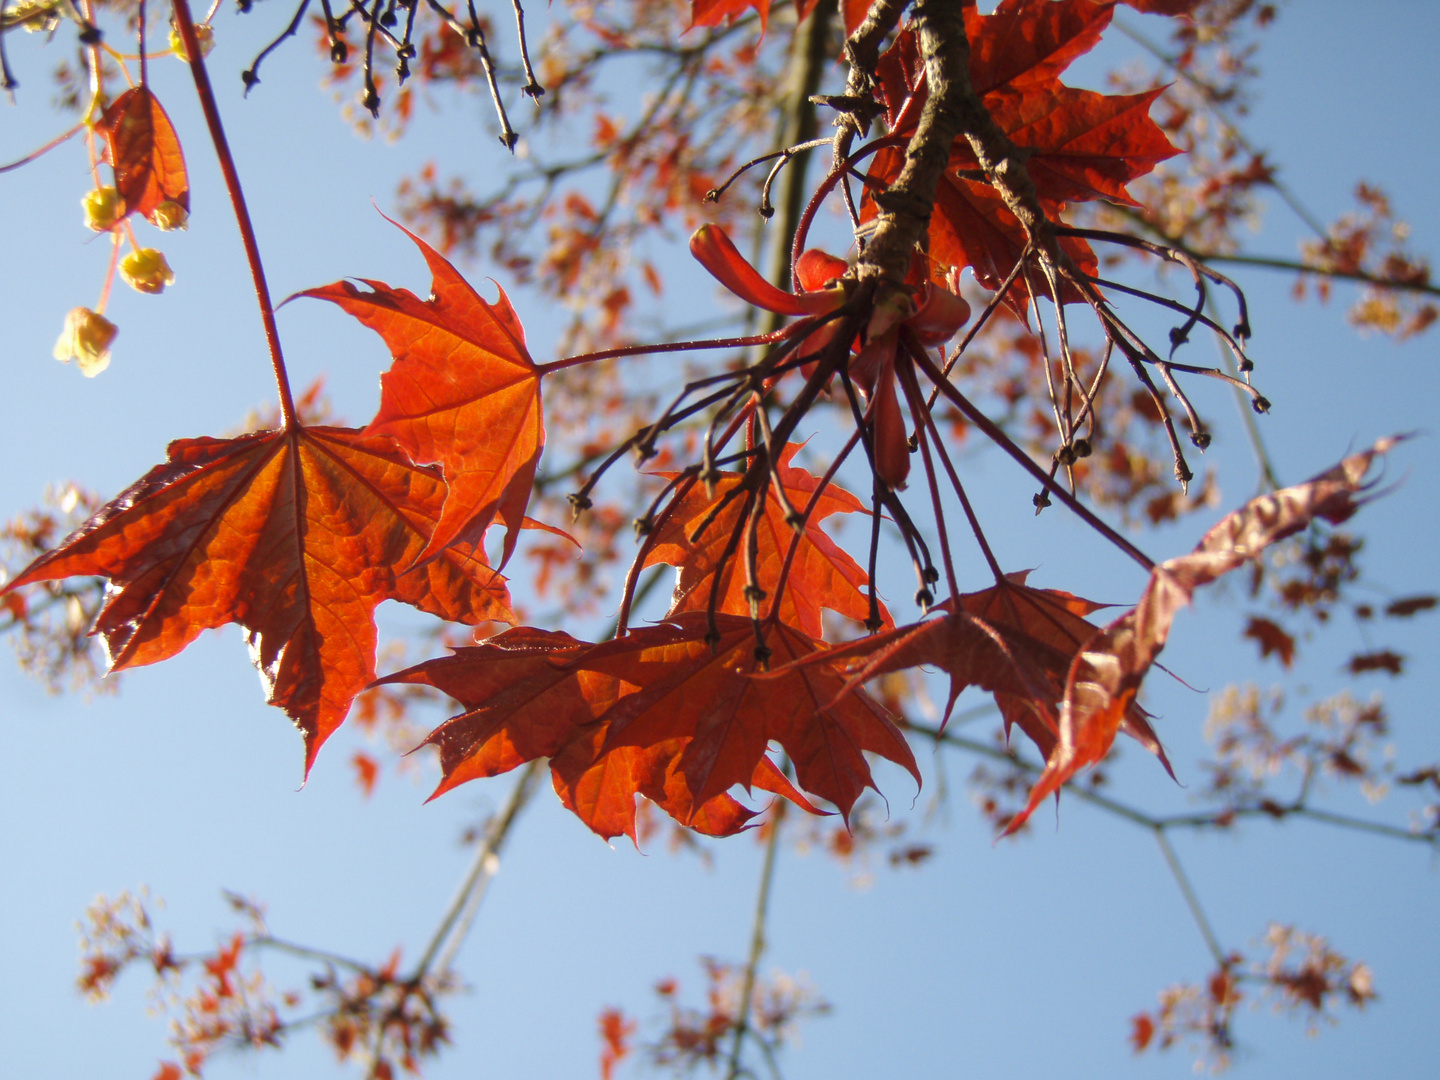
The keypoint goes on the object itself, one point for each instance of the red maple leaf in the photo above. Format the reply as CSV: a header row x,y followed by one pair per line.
x,y
1016,642
1106,675
143,148
822,574
462,393
527,697
295,535
665,712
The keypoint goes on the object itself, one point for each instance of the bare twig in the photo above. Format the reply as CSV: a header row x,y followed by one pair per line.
x,y
757,940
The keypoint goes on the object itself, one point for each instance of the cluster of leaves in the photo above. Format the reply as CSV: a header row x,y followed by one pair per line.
x,y
221,1000
51,624
1302,975
1341,740
297,533
688,1037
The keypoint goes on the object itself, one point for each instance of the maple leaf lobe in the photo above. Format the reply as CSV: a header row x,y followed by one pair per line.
x,y
462,393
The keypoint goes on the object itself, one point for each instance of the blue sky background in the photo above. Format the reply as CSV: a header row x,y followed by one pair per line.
x,y
1012,960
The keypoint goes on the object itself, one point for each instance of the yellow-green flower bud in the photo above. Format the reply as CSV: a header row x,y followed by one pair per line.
x,y
35,16
203,33
86,339
170,215
103,208
146,271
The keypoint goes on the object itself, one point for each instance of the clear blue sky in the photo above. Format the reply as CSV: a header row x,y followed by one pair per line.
x,y
1012,960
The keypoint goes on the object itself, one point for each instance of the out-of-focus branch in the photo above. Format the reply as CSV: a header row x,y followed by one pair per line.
x,y
757,939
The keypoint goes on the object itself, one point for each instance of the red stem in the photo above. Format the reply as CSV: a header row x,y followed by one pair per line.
x,y
905,372
814,501
44,149
1000,439
632,576
186,26
675,346
802,230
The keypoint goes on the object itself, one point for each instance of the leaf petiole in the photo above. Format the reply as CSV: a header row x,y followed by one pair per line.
x,y
186,25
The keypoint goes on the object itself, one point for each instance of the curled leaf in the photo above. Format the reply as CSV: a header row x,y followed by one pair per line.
x,y
1105,677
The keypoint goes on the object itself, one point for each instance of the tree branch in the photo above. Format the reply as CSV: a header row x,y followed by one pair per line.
x,y
757,940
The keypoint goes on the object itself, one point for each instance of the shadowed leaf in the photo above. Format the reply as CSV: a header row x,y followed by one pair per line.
x,y
822,576
660,712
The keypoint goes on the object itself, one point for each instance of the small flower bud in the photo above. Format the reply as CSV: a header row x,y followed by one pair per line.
x,y
146,271
169,216
103,208
86,339
203,33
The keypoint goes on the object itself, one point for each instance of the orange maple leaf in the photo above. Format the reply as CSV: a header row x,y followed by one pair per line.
x,y
295,535
143,148
462,393
526,698
821,576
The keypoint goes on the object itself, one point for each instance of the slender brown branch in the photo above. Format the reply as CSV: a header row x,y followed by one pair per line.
x,y
251,75
905,208
1192,899
1271,263
1216,819
532,87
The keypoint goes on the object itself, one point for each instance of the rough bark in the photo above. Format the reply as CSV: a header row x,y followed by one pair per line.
x,y
952,109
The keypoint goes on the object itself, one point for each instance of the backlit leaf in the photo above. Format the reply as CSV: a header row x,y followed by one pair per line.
x,y
823,575
462,393
149,167
296,536
661,712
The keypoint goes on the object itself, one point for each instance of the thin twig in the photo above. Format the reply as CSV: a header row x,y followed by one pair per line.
x,y
757,939
251,75
532,87
997,436
1192,901
460,914
44,149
